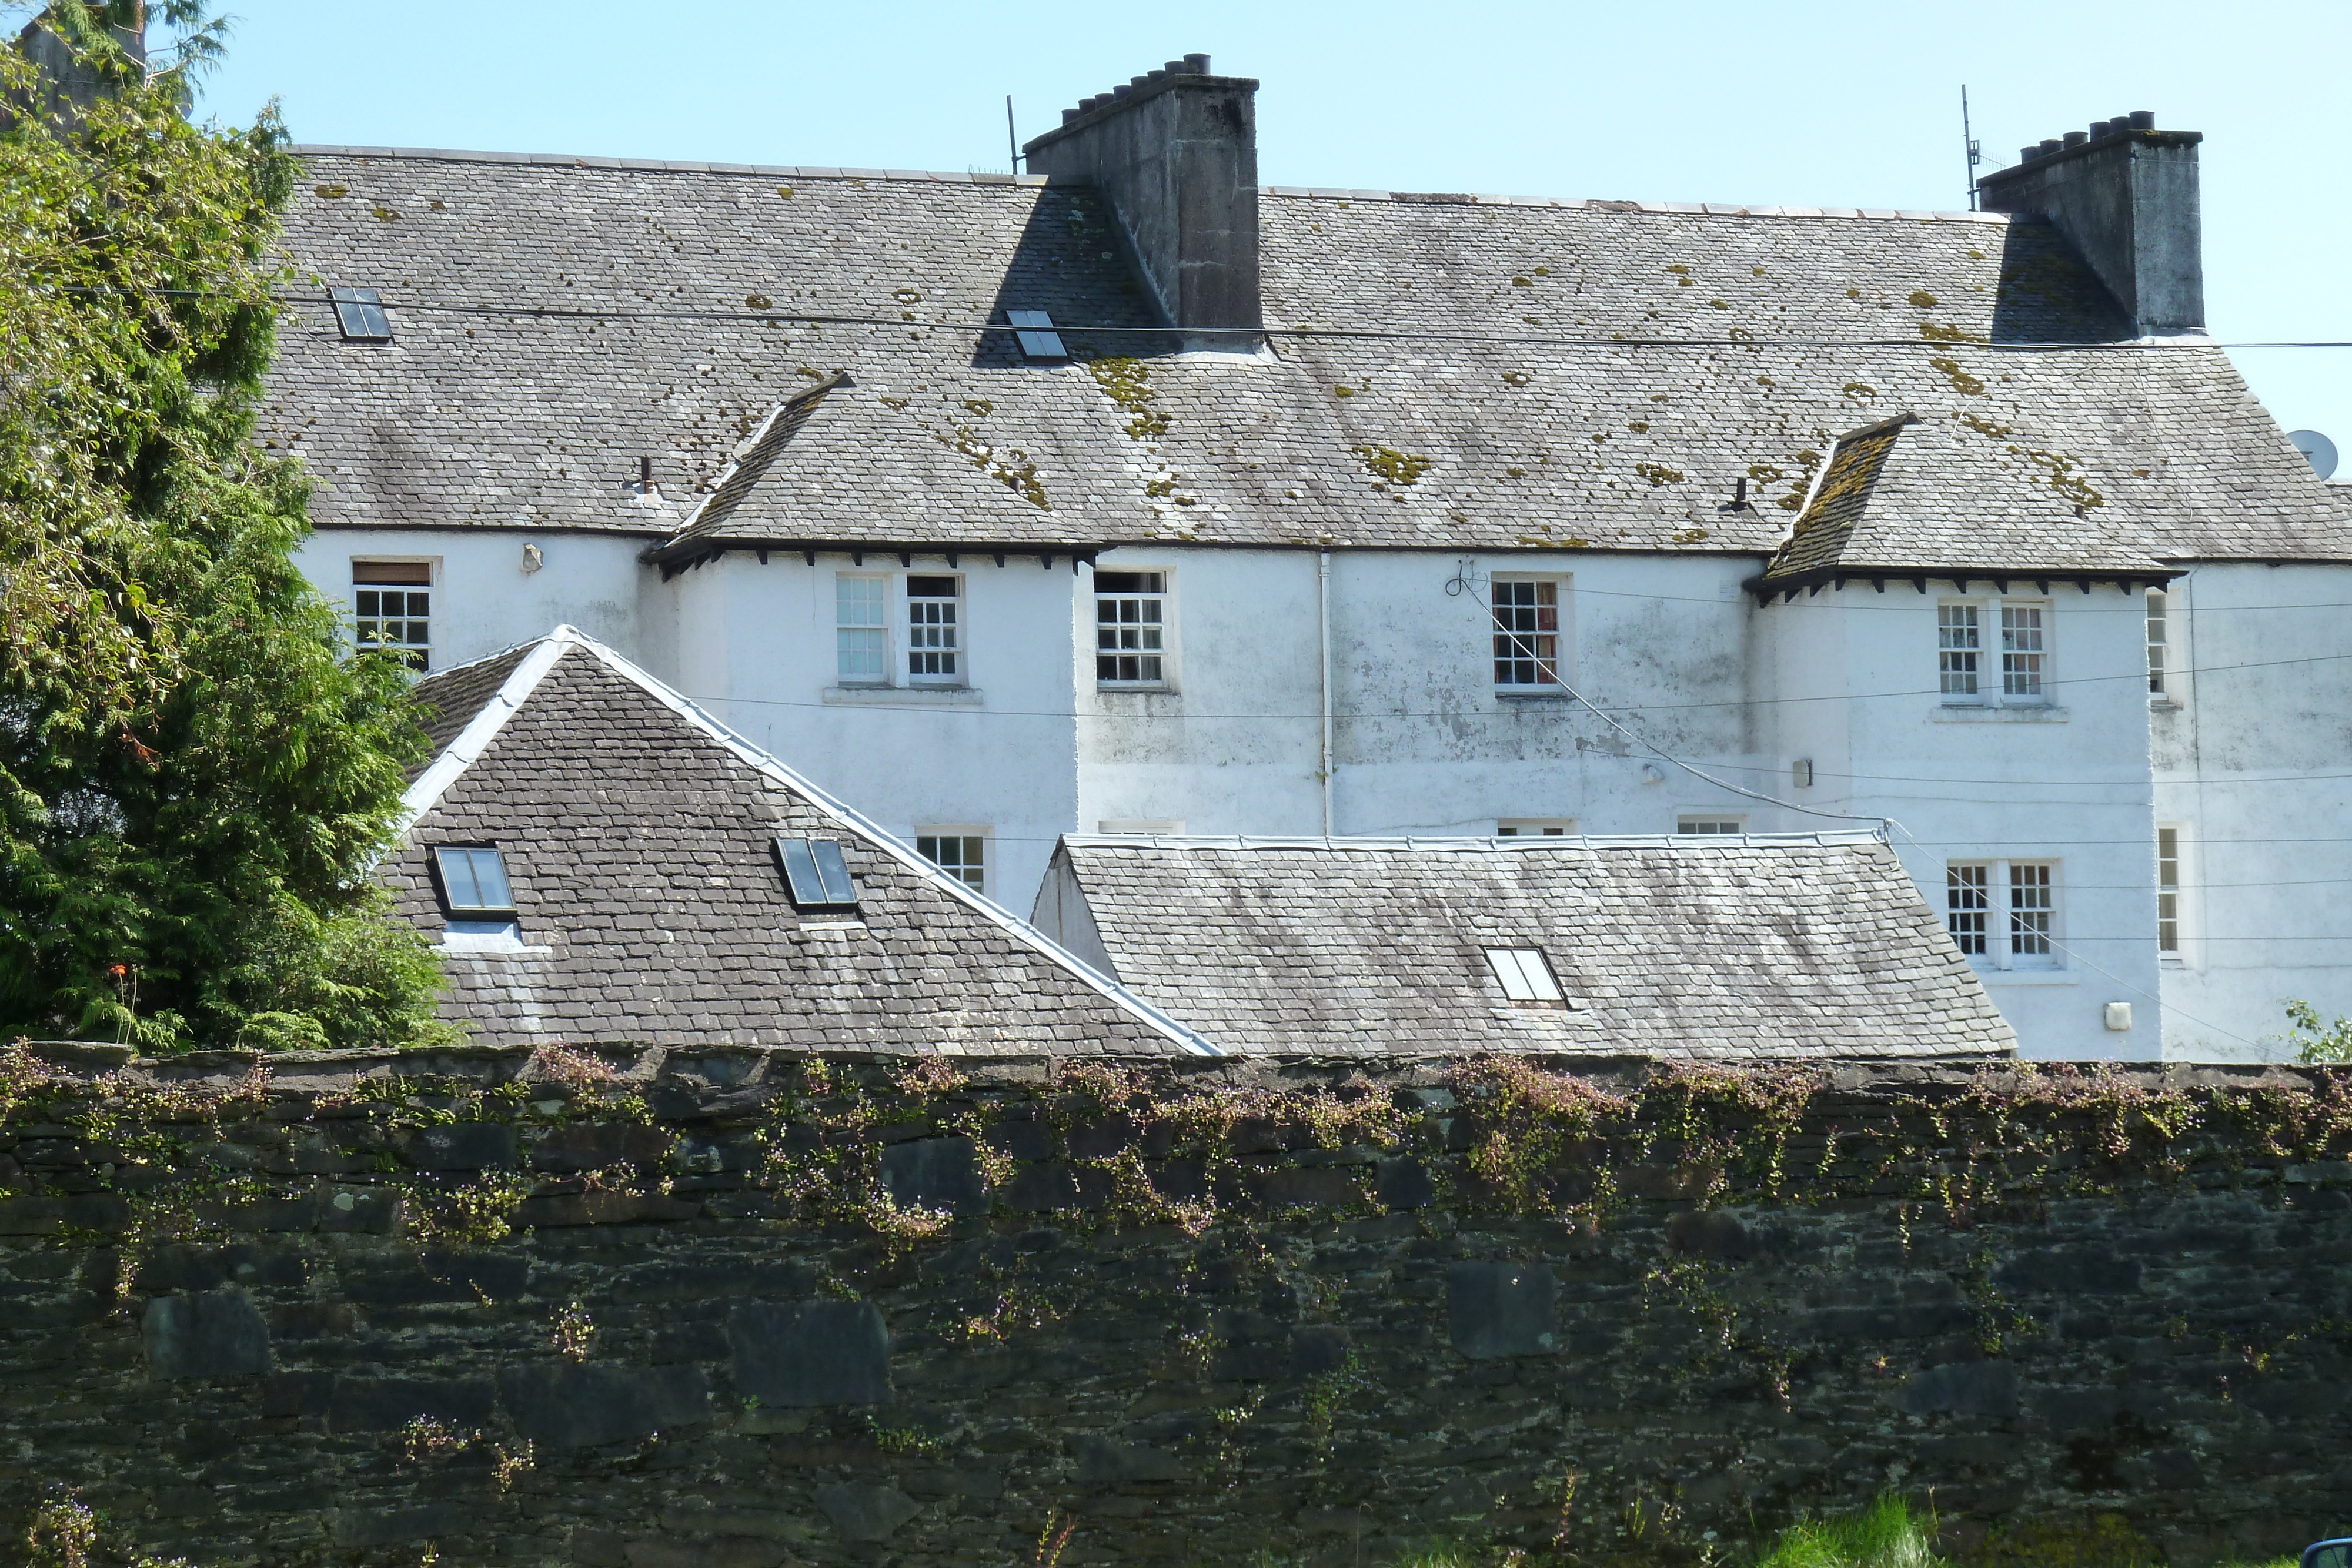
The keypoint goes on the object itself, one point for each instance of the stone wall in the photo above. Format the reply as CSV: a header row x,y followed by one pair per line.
x,y
728,1308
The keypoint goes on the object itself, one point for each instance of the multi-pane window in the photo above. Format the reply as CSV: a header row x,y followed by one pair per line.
x,y
1131,628
2168,889
2017,630
2020,649
1711,825
2033,904
1527,633
1959,646
862,629
2004,913
934,629
964,856
2158,644
391,609
1967,906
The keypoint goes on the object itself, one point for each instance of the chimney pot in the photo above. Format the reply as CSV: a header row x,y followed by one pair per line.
x,y
1068,115
2143,119
2076,138
1155,76
1122,90
1197,64
2099,129
1177,68
2028,155
1137,82
2050,144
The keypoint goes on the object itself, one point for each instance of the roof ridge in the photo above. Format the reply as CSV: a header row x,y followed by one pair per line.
x,y
476,736
977,177
1417,841
741,459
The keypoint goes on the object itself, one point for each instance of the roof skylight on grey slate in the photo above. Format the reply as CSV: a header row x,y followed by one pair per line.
x,y
1526,976
817,873
361,313
473,879
1044,342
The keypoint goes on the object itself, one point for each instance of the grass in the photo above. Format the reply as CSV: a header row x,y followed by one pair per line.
x,y
1882,1535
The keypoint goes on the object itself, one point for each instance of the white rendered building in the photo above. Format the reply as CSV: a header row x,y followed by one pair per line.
x,y
1129,496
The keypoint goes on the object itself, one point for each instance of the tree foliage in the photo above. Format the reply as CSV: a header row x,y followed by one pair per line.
x,y
193,780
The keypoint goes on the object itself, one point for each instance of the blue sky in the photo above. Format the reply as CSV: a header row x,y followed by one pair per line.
x,y
1802,103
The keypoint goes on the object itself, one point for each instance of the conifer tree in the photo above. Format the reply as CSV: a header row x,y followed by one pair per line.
x,y
196,779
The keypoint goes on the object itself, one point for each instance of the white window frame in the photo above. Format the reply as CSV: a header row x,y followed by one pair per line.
x,y
1998,659
1705,824
946,643
886,583
1561,665
1535,827
422,661
2176,906
2012,917
968,833
1166,598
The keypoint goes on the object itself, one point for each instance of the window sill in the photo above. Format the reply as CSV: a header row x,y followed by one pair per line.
x,y
1533,694
901,697
2028,977
2163,705
2021,713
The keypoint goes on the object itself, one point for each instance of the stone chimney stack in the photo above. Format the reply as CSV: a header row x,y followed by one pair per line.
x,y
2124,194
69,86
1175,155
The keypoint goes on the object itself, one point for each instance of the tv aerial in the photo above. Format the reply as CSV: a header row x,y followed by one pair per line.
x,y
2316,447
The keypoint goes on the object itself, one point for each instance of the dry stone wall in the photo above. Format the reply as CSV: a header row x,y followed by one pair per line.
x,y
734,1308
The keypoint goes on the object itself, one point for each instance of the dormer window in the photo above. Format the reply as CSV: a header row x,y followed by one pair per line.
x,y
473,882
1035,334
361,313
816,875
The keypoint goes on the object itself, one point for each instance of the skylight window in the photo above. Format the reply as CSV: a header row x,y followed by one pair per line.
x,y
816,874
1040,341
474,882
1525,976
360,311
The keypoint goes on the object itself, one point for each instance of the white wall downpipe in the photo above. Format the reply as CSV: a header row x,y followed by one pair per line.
x,y
1323,619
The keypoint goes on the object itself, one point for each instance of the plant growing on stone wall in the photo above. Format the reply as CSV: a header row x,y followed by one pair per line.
x,y
65,1532
472,1214
574,1332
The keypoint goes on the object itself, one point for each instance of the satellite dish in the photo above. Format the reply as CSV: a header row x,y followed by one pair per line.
x,y
2318,447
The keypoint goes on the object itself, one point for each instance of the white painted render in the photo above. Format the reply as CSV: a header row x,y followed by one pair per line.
x,y
2253,763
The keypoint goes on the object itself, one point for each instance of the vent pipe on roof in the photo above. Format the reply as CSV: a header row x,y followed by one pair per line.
x,y
2125,194
1175,155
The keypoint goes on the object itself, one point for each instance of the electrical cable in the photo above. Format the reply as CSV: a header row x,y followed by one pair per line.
x,y
1417,335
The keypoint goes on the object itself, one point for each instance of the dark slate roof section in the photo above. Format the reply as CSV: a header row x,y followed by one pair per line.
x,y
1885,501
637,836
451,699
1802,946
559,318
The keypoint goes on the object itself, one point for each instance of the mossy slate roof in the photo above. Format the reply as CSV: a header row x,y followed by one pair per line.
x,y
637,837
558,317
1800,946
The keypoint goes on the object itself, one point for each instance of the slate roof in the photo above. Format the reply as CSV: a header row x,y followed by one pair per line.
x,y
637,836
1884,503
557,317
1812,944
